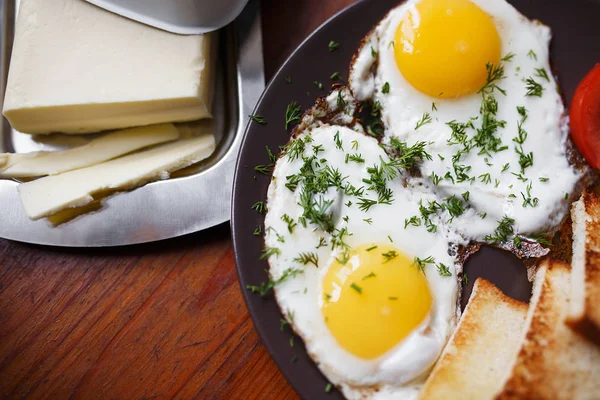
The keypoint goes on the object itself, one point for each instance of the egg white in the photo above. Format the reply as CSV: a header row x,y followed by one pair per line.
x,y
402,370
546,125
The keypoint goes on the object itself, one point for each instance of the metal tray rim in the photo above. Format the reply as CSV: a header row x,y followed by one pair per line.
x,y
160,210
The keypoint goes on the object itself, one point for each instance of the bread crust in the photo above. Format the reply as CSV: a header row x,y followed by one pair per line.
x,y
489,328
553,363
587,320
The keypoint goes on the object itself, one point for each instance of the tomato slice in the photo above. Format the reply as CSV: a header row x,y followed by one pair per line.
x,y
585,117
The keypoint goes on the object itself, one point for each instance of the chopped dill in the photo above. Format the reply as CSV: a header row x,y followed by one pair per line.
x,y
265,288
259,206
292,114
414,221
357,288
337,140
533,88
541,72
443,269
504,230
385,89
291,224
259,119
421,263
508,57
308,258
425,119
371,275
390,255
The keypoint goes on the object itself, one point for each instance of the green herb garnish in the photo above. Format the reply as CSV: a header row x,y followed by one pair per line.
x,y
264,169
357,288
390,255
508,57
425,119
443,269
371,275
533,88
308,258
265,288
292,114
414,221
541,72
259,206
385,89
504,230
259,119
421,263
337,140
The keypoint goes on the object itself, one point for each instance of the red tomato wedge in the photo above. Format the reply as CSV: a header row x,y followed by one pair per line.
x,y
585,117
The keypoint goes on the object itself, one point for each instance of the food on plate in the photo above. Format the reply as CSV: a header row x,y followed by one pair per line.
x,y
554,362
372,294
584,306
47,196
509,351
472,80
76,68
451,134
486,341
104,148
585,117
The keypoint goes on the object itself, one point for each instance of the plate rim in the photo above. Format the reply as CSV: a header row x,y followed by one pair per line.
x,y
146,214
260,328
238,235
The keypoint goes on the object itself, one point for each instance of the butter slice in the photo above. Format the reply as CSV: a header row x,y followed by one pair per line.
x,y
77,68
98,150
47,196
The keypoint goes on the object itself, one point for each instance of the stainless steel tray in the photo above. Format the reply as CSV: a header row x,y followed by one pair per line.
x,y
159,210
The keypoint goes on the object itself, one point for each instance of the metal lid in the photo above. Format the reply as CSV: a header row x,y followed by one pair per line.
x,y
187,17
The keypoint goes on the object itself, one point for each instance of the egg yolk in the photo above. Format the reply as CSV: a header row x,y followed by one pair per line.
x,y
442,47
374,300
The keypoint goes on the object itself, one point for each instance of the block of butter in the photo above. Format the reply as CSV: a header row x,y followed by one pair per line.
x,y
77,68
52,194
104,148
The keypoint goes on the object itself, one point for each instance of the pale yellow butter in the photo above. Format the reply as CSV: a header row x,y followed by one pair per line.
x,y
98,150
76,68
47,196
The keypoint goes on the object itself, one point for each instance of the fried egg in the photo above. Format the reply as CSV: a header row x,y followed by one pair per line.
x,y
471,79
373,296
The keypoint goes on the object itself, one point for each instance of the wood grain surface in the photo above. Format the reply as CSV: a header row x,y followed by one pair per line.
x,y
156,321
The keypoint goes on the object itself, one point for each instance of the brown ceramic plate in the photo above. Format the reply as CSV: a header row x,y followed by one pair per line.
x,y
575,49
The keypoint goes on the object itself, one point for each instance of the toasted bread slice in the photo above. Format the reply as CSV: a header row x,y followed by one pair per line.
x,y
584,308
554,362
483,346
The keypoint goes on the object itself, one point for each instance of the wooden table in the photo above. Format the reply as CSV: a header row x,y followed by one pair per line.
x,y
163,320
